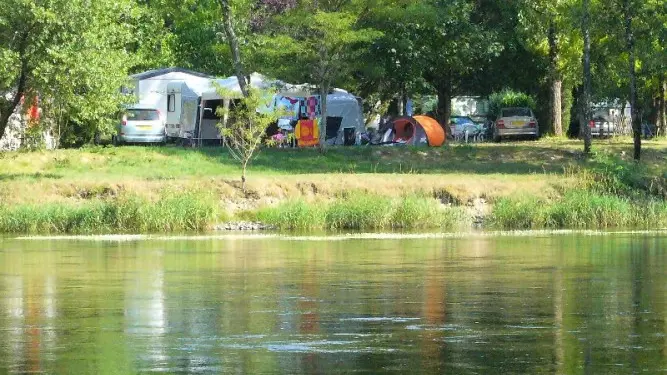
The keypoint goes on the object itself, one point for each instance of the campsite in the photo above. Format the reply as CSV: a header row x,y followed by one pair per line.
x,y
333,187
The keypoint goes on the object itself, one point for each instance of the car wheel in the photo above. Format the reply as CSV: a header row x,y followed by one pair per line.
x,y
496,138
114,141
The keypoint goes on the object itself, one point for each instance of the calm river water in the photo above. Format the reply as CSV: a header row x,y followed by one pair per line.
x,y
567,304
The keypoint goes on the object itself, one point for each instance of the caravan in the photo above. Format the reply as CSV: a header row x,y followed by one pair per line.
x,y
182,110
192,108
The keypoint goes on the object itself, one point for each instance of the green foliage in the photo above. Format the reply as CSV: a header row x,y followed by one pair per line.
x,y
73,54
360,211
172,212
293,214
363,211
509,98
246,126
579,209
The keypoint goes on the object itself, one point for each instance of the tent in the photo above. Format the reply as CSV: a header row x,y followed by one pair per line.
x,y
416,130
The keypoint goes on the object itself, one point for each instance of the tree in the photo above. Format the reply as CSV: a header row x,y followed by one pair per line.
x,y
451,47
246,126
233,42
317,43
585,101
630,49
547,27
73,54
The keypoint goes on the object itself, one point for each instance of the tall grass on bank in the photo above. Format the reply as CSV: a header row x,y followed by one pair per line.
x,y
124,214
364,212
579,209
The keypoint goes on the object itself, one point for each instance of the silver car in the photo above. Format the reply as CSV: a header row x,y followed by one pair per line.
x,y
601,126
140,125
513,122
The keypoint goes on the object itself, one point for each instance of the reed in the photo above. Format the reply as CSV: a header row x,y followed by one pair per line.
x,y
364,212
172,212
579,209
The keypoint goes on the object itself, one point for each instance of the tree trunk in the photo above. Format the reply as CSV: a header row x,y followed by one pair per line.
x,y
324,90
556,84
243,179
630,44
662,109
8,108
444,110
403,104
556,104
585,105
233,42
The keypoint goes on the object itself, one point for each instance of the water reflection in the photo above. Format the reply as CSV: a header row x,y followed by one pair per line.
x,y
542,305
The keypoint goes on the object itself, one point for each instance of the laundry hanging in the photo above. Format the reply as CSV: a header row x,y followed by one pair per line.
x,y
307,133
288,105
311,107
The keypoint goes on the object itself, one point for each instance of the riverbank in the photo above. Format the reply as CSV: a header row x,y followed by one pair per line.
x,y
510,186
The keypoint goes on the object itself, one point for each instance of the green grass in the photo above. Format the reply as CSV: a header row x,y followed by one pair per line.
x,y
291,214
125,214
112,189
579,209
157,163
361,211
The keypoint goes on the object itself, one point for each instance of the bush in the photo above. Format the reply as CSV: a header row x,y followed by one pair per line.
x,y
509,98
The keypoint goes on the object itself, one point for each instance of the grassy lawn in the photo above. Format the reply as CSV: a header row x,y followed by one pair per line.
x,y
154,163
105,183
278,172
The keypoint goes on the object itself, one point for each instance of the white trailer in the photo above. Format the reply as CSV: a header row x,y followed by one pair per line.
x,y
182,111
150,89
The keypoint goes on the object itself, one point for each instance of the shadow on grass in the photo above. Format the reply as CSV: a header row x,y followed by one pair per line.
x,y
515,158
22,176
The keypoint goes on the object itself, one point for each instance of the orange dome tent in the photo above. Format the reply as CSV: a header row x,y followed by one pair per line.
x,y
417,130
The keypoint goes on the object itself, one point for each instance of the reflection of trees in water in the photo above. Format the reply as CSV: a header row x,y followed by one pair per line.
x,y
434,314
13,288
134,303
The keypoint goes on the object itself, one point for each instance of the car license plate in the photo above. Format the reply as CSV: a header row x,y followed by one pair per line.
x,y
144,127
518,123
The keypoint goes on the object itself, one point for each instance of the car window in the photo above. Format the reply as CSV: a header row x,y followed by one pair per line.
x,y
511,112
142,115
461,120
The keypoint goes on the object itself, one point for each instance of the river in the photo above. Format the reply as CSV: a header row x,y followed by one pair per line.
x,y
541,304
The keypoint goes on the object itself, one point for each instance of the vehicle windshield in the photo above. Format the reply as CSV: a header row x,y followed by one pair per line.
x,y
515,112
461,120
142,115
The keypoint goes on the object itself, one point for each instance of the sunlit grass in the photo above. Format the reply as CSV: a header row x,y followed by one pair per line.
x,y
362,211
354,187
579,209
172,212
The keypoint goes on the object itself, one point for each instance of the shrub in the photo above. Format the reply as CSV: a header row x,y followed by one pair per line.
x,y
509,98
